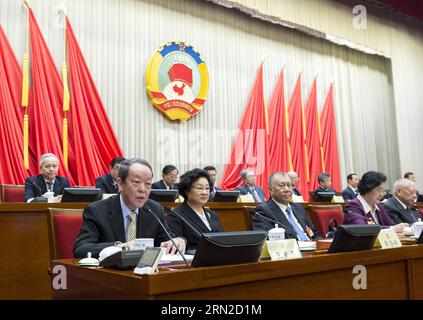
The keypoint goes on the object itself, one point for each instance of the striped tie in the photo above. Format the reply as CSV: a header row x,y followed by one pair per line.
x,y
132,228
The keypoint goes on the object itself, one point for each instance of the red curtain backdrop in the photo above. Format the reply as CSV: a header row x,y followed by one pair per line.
x,y
12,169
279,149
45,113
250,149
329,141
95,143
297,138
313,138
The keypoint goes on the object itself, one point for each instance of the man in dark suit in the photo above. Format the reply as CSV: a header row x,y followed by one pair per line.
x,y
290,216
325,181
350,192
118,220
47,181
250,187
294,181
400,207
169,176
108,182
213,174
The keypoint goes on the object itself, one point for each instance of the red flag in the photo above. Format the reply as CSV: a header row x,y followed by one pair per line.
x,y
250,150
313,138
45,112
329,140
297,139
279,149
93,137
12,169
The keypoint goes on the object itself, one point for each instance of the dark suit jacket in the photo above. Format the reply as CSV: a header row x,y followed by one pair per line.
x,y
31,191
103,226
398,214
161,185
296,191
271,210
105,183
359,216
348,194
213,193
321,189
181,229
244,189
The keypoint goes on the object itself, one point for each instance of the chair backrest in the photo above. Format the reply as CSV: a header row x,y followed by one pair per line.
x,y
248,215
12,193
64,226
322,214
311,194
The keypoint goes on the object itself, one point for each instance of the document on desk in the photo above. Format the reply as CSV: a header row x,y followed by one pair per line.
x,y
169,258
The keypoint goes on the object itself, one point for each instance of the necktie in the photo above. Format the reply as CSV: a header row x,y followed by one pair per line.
x,y
50,186
298,230
255,195
132,228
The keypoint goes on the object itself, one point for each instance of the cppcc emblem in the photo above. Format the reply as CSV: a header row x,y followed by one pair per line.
x,y
177,81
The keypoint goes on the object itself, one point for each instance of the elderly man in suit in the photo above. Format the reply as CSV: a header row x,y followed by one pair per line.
x,y
325,181
400,207
47,181
294,181
350,192
119,219
250,187
169,176
108,182
290,216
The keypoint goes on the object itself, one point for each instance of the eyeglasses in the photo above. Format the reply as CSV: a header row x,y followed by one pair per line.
x,y
201,188
48,166
382,191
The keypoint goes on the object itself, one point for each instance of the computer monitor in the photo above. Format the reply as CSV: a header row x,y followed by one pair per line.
x,y
354,237
324,196
226,196
81,194
220,248
420,197
163,195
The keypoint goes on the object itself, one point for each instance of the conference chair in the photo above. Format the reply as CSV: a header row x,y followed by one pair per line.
x,y
321,215
64,226
311,194
12,193
248,216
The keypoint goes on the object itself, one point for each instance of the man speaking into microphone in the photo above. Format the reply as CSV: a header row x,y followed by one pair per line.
x,y
122,218
290,216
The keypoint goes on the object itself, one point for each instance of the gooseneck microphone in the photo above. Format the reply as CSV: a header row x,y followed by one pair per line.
x,y
168,234
199,234
38,188
271,220
362,217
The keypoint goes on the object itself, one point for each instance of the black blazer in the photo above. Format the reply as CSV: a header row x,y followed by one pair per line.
x,y
348,194
244,189
296,192
181,229
213,193
398,214
105,183
35,183
271,210
161,185
103,226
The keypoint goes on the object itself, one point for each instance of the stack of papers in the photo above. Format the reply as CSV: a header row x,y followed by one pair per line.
x,y
169,258
307,245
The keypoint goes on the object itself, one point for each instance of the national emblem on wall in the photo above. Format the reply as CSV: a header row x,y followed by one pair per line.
x,y
177,81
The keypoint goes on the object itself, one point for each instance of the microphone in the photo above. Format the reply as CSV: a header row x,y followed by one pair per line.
x,y
168,234
38,188
199,234
361,216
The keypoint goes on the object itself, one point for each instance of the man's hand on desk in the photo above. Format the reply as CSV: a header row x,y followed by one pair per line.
x,y
170,248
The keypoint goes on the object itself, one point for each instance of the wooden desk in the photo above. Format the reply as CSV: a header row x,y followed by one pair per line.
x,y
391,274
25,244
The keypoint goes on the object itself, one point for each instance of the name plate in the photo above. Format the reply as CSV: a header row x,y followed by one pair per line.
x,y
297,199
337,199
248,198
388,239
283,249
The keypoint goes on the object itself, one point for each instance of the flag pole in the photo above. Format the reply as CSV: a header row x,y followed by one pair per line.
x,y
66,97
25,95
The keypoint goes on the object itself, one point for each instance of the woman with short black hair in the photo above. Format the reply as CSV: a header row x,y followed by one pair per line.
x,y
366,208
194,187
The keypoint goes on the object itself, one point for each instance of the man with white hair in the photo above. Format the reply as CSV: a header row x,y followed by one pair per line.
x,y
400,207
250,186
47,181
294,181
